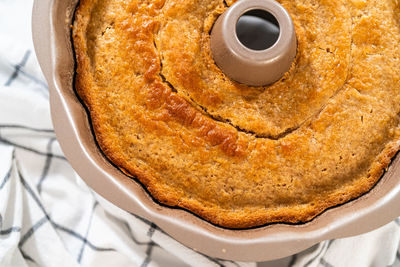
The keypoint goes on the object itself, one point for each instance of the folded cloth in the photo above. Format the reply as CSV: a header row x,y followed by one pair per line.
x,y
49,217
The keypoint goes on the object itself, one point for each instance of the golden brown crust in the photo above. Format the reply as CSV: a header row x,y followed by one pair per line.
x,y
163,112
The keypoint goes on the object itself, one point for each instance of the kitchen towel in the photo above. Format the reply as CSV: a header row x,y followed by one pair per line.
x,y
49,217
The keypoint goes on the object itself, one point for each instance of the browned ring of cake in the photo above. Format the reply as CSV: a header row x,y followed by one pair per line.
x,y
320,71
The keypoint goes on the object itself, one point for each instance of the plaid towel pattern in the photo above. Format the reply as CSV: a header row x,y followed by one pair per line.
x,y
49,217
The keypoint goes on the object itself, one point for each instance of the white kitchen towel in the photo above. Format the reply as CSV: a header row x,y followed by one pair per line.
x,y
49,217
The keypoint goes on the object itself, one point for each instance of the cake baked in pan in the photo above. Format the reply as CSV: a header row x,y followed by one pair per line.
x,y
239,156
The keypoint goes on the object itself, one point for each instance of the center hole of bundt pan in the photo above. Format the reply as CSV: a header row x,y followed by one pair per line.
x,y
254,42
258,29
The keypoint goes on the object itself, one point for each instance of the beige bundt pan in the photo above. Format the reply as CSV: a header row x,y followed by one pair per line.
x,y
51,35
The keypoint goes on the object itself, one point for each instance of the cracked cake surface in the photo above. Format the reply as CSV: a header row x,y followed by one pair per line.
x,y
240,156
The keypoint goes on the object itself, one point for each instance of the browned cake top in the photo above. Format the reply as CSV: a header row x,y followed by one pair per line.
x,y
242,156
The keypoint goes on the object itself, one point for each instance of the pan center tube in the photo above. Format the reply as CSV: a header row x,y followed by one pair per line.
x,y
254,42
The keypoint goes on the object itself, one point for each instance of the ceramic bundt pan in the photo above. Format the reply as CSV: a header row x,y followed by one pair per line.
x,y
51,35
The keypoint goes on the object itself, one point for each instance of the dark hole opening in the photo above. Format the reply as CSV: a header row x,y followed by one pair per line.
x,y
258,29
